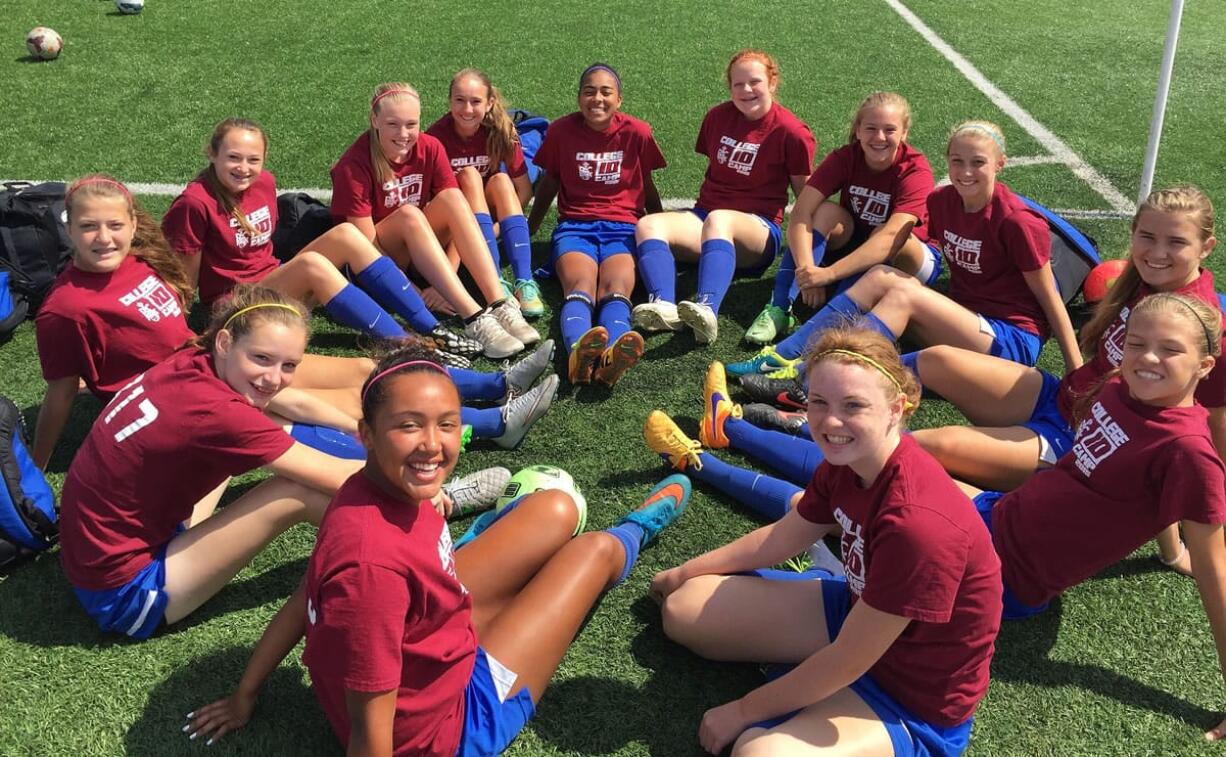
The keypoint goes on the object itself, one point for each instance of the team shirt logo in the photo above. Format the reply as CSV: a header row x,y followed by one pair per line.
x,y
1113,339
853,551
479,162
737,155
1098,437
152,299
405,190
311,615
962,251
446,557
261,221
134,390
871,205
600,167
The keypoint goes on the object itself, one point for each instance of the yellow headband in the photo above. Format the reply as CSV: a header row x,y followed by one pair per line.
x,y
907,403
283,306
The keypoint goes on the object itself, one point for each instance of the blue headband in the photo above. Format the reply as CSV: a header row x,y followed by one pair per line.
x,y
979,127
600,67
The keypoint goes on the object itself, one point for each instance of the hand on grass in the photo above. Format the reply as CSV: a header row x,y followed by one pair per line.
x,y
721,726
219,718
665,583
1217,733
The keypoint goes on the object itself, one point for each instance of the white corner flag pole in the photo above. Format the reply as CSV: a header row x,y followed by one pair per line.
x,y
1164,86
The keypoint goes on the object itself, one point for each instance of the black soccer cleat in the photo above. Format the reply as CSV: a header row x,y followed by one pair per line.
x,y
788,392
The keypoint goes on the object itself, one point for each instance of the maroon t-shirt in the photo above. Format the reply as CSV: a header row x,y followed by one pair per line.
x,y
600,174
168,438
473,151
386,611
1210,392
750,164
108,327
871,196
356,193
198,224
1134,470
914,546
988,251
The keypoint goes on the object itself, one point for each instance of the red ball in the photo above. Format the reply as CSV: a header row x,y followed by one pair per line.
x,y
1101,278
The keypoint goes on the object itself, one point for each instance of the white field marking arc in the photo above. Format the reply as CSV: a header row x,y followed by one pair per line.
x,y
1029,123
162,189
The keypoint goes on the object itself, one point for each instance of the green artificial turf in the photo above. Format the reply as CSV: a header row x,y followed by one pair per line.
x,y
1122,664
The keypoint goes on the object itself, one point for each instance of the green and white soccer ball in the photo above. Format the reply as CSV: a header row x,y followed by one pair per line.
x,y
537,478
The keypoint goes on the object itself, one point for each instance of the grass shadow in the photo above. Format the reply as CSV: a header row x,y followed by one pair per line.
x,y
287,719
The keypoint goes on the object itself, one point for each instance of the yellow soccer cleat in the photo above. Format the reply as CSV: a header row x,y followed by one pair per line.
x,y
716,408
664,438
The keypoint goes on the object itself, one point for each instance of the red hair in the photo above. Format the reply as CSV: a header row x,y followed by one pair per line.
x,y
761,56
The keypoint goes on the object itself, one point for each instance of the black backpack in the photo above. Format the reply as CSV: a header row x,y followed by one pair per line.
x,y
1073,252
34,245
301,219
28,520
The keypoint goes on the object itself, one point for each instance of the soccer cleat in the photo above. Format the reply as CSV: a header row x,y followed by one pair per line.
x,y
769,325
665,438
656,315
452,360
477,491
512,321
528,294
774,419
508,292
521,375
789,392
620,357
663,505
766,361
585,354
520,413
458,344
494,339
789,371
701,318
716,408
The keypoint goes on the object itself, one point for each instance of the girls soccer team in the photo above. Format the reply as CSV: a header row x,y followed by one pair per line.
x,y
417,648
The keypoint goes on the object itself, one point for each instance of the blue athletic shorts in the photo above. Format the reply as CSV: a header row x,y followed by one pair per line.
x,y
773,244
1055,434
1014,608
136,608
909,734
599,240
1010,342
937,260
492,720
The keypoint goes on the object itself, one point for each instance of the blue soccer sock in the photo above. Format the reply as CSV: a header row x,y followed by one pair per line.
x,y
838,311
657,269
487,422
517,245
786,288
878,325
819,247
328,440
795,457
615,316
631,535
354,308
911,360
576,318
716,267
491,241
478,385
767,496
388,285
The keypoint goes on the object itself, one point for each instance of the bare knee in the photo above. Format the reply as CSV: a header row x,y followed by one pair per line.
x,y
553,509
315,267
938,358
719,224
681,613
649,227
755,742
469,179
410,218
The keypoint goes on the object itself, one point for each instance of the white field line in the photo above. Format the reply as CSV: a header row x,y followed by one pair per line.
x,y
1029,123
